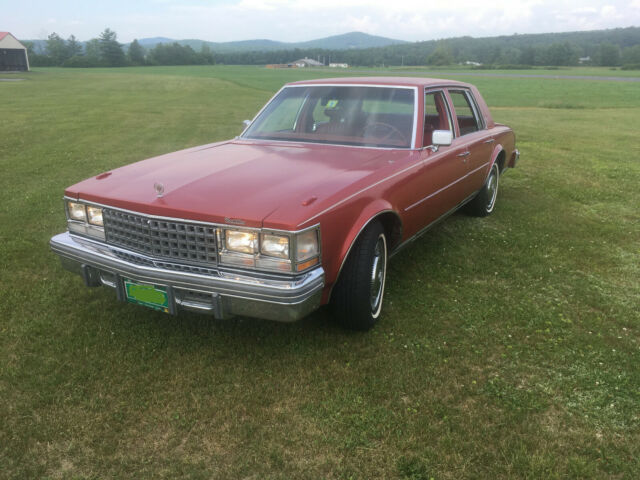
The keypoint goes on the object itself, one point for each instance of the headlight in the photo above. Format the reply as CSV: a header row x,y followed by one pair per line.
x,y
274,245
84,219
307,245
239,241
94,215
76,211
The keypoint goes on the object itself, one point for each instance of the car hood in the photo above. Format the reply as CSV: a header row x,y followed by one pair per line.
x,y
236,182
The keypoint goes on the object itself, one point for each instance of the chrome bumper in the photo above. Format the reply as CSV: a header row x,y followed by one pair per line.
x,y
514,158
222,294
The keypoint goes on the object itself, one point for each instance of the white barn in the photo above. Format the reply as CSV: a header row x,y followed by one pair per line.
x,y
13,55
307,62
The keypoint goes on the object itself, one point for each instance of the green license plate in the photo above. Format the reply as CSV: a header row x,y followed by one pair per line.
x,y
147,295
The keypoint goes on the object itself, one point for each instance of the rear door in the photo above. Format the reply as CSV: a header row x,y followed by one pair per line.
x,y
473,142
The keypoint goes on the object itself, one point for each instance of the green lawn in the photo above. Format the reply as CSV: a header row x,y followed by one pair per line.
x,y
509,346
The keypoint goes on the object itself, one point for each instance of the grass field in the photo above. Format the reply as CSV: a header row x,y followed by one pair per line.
x,y
509,347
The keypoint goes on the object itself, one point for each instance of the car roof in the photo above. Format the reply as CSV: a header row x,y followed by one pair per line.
x,y
386,81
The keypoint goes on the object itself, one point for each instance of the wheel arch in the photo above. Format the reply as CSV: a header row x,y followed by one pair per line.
x,y
498,157
392,225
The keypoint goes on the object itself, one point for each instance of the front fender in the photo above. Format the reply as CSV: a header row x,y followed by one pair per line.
x,y
341,245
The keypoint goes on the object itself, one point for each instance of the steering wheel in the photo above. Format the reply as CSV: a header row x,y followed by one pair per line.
x,y
384,131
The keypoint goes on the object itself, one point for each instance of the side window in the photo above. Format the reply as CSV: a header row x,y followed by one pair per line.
x,y
466,116
436,115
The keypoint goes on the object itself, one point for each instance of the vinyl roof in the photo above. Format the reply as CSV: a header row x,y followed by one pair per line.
x,y
400,81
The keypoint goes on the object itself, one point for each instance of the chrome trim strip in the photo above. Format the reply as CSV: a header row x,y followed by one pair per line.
x,y
417,164
431,225
414,134
341,145
474,108
445,187
441,90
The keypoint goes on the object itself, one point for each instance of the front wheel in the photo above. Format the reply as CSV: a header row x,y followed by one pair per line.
x,y
357,296
485,201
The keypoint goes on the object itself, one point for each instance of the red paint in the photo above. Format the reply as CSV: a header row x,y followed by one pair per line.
x,y
290,186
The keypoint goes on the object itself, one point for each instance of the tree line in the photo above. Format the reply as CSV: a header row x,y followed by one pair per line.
x,y
106,51
612,48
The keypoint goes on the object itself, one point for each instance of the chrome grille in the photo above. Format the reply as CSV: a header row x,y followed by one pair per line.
x,y
158,238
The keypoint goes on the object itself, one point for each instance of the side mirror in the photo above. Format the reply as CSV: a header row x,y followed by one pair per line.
x,y
245,124
442,138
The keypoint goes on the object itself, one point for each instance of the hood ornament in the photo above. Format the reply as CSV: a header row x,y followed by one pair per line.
x,y
159,188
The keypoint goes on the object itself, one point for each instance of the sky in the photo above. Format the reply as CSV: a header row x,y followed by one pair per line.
x,y
294,21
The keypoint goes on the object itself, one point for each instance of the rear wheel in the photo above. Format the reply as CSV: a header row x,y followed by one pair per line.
x,y
485,201
357,296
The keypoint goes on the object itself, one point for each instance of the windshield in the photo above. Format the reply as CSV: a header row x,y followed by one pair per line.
x,y
346,115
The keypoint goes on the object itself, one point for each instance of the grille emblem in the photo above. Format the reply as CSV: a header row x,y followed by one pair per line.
x,y
159,188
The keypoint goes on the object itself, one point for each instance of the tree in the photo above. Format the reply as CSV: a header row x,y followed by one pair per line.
x,y
136,53
173,54
608,55
206,55
30,48
111,52
561,54
73,46
527,56
92,51
441,56
56,49
631,55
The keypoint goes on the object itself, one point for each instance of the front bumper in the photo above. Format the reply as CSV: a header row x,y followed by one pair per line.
x,y
221,293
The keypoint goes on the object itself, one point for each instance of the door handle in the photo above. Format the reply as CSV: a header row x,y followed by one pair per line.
x,y
491,140
464,156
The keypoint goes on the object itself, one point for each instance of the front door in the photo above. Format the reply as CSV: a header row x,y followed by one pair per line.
x,y
443,173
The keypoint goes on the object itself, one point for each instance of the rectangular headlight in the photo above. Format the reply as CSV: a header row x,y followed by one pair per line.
x,y
307,245
76,211
274,245
94,216
241,242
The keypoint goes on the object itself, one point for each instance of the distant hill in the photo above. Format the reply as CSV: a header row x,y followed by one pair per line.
x,y
611,47
150,42
347,41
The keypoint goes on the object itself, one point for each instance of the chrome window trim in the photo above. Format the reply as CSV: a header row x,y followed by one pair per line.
x,y
441,90
302,144
474,108
412,144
